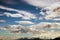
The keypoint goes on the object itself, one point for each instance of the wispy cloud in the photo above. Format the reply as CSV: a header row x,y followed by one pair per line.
x,y
1,14
13,15
20,13
23,14
2,21
9,9
24,22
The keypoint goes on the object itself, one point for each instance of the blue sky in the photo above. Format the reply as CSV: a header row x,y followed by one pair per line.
x,y
20,5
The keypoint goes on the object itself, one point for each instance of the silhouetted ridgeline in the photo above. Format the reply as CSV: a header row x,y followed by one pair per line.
x,y
29,39
58,38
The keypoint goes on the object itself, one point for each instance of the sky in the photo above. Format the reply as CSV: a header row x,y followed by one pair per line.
x,y
26,12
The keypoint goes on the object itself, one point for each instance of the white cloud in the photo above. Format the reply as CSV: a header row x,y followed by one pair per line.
x,y
24,22
2,21
52,12
40,18
41,3
23,14
20,13
49,5
27,15
14,26
46,25
56,19
6,8
42,13
41,25
12,15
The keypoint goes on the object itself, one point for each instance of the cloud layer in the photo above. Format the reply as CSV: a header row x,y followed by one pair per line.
x,y
52,12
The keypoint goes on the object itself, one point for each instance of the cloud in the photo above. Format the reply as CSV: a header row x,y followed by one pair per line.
x,y
1,14
42,13
47,25
27,15
12,15
41,25
2,21
14,26
56,19
49,6
9,9
20,13
24,22
52,12
41,3
40,18
23,14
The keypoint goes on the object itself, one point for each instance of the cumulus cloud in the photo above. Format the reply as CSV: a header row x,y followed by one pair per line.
x,y
42,13
47,25
52,8
52,13
27,15
20,13
24,22
41,3
41,25
2,21
14,26
9,9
